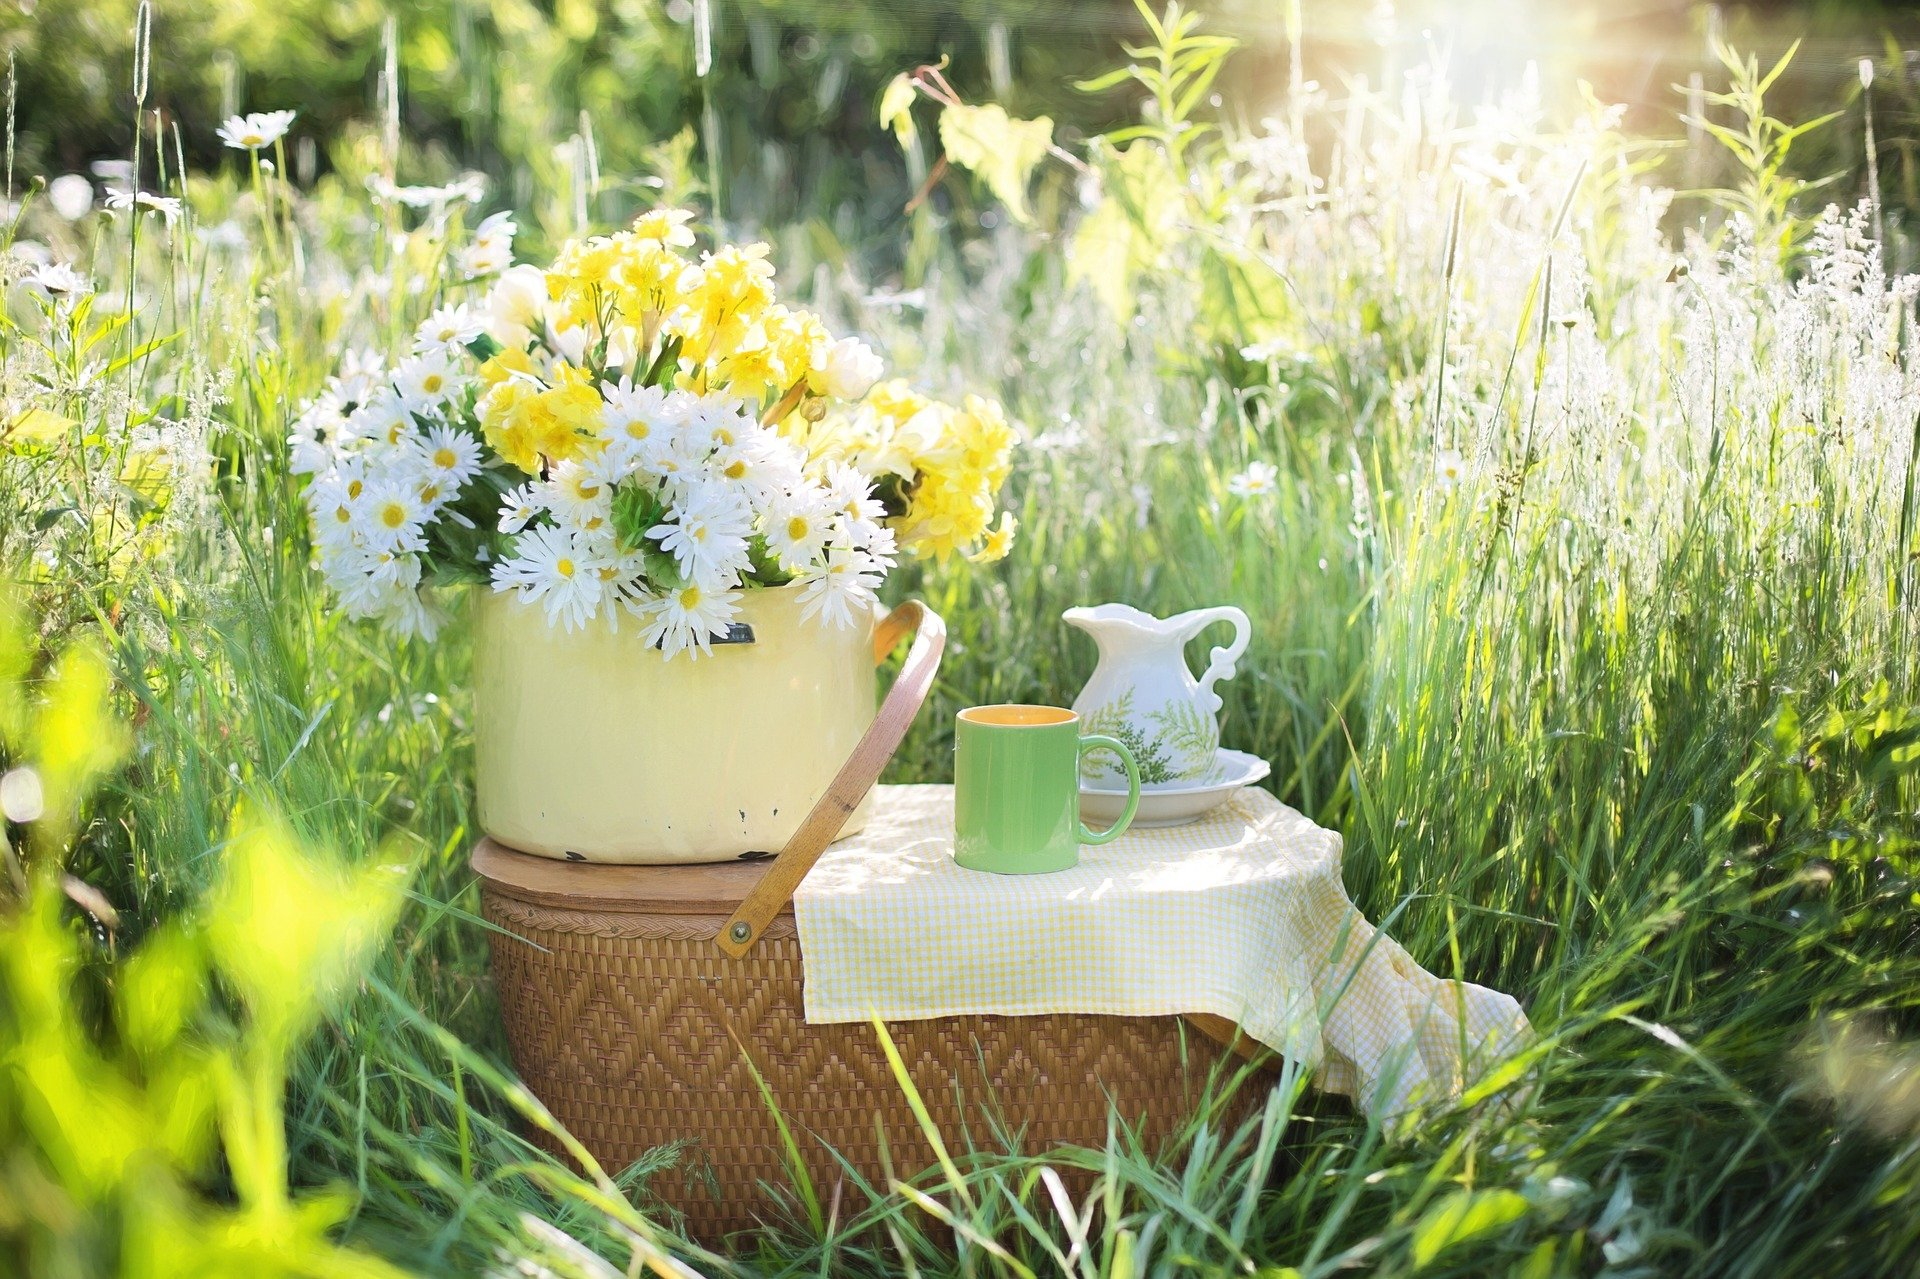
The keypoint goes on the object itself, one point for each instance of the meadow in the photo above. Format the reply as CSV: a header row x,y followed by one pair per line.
x,y
1578,517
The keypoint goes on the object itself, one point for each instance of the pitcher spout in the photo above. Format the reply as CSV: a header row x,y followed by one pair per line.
x,y
1118,626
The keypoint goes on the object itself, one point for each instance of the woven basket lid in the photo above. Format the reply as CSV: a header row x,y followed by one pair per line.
x,y
715,888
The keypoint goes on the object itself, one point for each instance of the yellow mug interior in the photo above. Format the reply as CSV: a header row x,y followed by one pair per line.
x,y
1009,716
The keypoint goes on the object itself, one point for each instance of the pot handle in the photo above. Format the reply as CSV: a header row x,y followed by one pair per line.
x,y
856,776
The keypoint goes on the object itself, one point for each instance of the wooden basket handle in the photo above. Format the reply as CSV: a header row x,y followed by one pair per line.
x,y
856,776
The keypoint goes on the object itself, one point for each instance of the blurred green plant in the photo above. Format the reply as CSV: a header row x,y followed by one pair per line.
x,y
140,1110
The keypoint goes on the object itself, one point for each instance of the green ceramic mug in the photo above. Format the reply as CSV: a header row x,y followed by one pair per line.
x,y
1016,789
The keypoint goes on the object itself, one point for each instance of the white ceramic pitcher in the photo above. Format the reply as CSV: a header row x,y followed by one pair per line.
x,y
1143,694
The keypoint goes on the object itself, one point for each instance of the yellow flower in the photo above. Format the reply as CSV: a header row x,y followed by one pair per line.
x,y
896,401
957,475
525,420
722,299
998,542
667,227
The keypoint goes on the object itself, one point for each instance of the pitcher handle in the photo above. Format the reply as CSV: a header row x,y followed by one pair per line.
x,y
1220,662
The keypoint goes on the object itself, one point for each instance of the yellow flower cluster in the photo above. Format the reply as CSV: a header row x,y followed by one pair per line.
x,y
617,304
951,463
616,301
527,416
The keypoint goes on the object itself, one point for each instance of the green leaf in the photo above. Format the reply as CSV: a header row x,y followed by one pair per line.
x,y
896,109
1464,1215
140,352
288,926
635,510
997,148
37,426
484,347
1101,83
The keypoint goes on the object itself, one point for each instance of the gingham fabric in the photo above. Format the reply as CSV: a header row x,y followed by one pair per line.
x,y
1241,914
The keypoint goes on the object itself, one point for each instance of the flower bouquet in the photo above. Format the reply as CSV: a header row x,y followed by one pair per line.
x,y
640,453
637,433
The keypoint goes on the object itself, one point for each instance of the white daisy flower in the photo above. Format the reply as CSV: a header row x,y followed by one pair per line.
x,y
383,418
252,132
361,374
845,585
639,422
798,526
623,579
451,456
689,618
1258,480
450,326
555,568
876,540
580,494
706,532
429,380
59,280
333,506
492,249
721,424
852,493
760,464
1449,468
168,207
310,443
370,582
488,257
518,508
392,518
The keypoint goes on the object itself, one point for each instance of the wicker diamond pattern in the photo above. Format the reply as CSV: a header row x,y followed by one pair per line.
x,y
620,1024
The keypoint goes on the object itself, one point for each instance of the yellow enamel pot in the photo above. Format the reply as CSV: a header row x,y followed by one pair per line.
x,y
591,746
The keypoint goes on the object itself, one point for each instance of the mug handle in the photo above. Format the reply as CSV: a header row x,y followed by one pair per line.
x,y
1095,742
1221,661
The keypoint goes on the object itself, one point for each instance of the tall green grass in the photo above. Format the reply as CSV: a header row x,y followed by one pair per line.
x,y
1621,719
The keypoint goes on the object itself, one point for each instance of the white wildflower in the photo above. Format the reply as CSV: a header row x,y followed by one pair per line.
x,y
689,618
518,508
706,532
426,382
492,248
558,569
1258,480
59,280
580,494
450,326
798,526
844,586
168,207
252,132
392,518
450,456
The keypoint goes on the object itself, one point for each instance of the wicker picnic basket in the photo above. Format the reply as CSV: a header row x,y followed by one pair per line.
x,y
640,1001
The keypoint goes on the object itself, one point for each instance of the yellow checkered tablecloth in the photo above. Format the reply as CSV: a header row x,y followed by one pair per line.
x,y
1241,914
